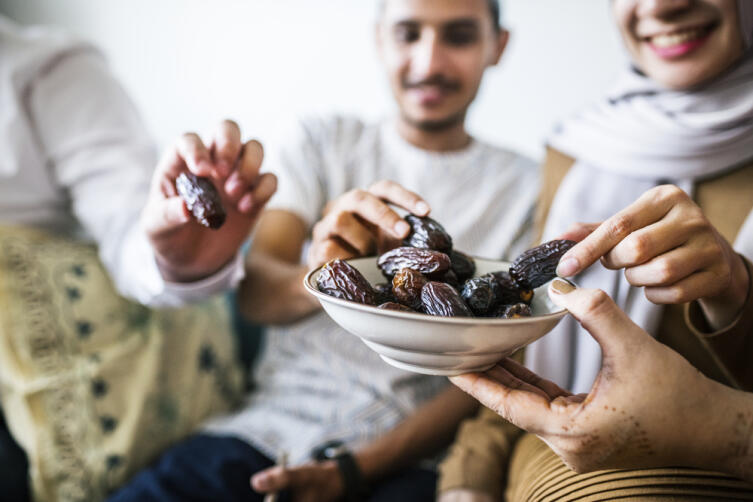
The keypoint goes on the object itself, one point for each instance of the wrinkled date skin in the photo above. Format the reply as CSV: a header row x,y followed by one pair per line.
x,y
341,280
538,265
463,265
441,299
479,295
427,233
395,306
513,311
202,199
432,264
507,291
450,278
384,294
406,287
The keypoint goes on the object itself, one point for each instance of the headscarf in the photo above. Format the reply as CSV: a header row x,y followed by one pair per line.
x,y
637,137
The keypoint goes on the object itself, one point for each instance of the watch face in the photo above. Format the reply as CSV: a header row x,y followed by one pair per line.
x,y
335,451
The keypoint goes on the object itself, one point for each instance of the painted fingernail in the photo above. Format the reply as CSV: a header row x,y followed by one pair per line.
x,y
401,228
562,287
567,267
233,186
422,208
245,203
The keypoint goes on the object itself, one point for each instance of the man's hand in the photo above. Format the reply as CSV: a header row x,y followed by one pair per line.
x,y
360,223
313,482
648,406
184,249
665,244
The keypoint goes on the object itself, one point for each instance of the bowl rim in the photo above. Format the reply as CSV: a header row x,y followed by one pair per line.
x,y
417,316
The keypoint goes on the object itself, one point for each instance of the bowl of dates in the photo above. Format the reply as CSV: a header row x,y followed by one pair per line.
x,y
441,312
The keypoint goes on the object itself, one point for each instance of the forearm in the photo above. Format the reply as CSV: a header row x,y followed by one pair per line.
x,y
733,437
424,433
272,292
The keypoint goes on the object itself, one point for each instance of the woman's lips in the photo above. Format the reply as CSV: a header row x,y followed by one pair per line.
x,y
678,44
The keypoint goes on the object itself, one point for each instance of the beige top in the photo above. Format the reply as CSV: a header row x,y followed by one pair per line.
x,y
478,458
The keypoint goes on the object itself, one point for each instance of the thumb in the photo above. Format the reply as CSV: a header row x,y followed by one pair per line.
x,y
164,215
599,315
274,479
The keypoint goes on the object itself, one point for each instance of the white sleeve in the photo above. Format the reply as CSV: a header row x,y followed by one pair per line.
x,y
98,151
298,162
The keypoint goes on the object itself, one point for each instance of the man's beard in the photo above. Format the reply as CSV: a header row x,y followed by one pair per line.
x,y
438,125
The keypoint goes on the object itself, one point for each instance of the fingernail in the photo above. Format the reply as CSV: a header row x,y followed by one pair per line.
x,y
245,204
233,186
401,228
261,482
422,208
567,267
562,287
205,167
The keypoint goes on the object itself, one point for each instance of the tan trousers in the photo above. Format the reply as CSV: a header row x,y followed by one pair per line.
x,y
537,474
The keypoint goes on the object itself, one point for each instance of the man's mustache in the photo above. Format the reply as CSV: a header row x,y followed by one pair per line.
x,y
435,81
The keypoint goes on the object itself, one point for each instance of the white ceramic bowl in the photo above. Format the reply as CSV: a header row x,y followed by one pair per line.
x,y
437,345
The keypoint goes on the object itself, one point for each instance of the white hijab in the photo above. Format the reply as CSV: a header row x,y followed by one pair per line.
x,y
641,135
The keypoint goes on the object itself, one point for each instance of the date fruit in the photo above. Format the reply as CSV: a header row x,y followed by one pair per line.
x,y
513,311
383,292
406,287
202,199
441,299
432,264
463,265
479,294
538,265
395,306
427,233
341,280
507,291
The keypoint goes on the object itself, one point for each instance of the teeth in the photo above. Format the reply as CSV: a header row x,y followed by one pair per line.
x,y
678,38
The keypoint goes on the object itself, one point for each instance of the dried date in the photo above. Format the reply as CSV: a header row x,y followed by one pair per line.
x,y
463,265
432,264
507,291
202,199
383,292
427,233
406,287
538,265
395,306
341,280
515,311
479,294
441,299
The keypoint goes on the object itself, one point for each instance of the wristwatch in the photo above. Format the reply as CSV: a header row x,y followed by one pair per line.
x,y
356,489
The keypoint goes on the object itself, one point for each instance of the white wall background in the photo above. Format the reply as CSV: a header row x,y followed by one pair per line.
x,y
189,63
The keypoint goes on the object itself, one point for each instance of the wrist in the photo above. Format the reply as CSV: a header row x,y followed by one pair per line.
x,y
722,310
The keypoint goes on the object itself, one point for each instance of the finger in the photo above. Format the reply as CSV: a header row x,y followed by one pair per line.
x,y
327,250
671,267
649,208
651,241
598,314
251,203
226,147
551,389
349,229
396,194
503,376
274,479
195,155
699,285
246,171
165,215
578,231
374,210
527,410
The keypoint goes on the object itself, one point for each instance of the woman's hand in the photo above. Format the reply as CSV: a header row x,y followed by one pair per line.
x,y
665,244
648,406
361,222
184,249
313,482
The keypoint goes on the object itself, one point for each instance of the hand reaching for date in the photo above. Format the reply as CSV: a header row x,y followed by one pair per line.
x,y
361,222
185,249
665,244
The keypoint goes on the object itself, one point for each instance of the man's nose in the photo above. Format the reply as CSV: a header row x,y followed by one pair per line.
x,y
428,56
663,8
